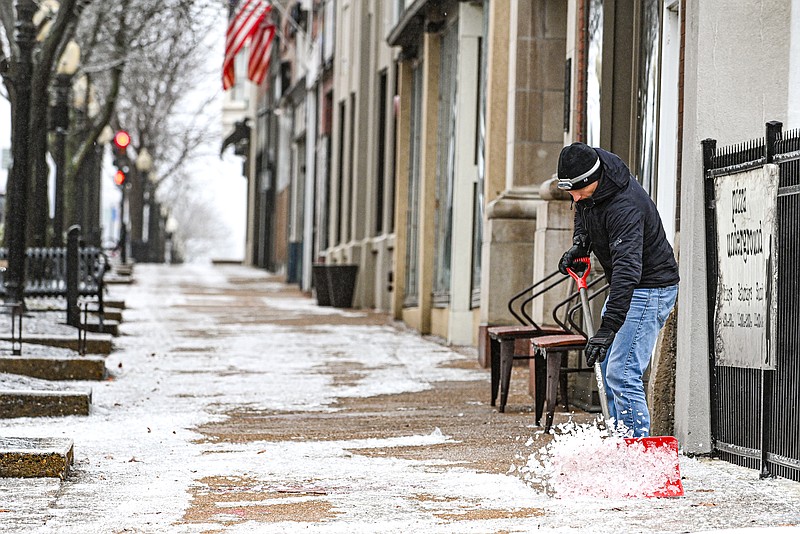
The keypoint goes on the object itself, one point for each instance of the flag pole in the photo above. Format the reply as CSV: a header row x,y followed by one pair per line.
x,y
293,22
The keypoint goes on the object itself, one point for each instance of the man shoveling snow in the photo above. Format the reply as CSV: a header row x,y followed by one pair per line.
x,y
617,221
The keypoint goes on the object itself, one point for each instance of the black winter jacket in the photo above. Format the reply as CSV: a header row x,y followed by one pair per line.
x,y
627,237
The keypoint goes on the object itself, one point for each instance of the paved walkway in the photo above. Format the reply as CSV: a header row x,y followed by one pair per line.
x,y
238,405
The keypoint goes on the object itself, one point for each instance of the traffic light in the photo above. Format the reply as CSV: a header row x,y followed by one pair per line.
x,y
121,141
121,160
120,147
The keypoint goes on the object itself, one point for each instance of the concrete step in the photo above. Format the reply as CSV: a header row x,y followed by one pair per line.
x,y
110,315
118,280
39,403
114,303
124,269
55,367
108,327
95,343
35,457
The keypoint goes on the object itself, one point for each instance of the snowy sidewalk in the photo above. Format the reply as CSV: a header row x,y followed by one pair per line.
x,y
238,405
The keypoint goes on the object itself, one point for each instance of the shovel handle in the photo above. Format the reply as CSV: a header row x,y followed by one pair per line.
x,y
582,278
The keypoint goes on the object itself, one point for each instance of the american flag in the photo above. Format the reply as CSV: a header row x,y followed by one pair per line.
x,y
260,52
248,22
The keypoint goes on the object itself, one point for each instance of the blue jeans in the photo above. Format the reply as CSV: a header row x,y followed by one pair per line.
x,y
629,356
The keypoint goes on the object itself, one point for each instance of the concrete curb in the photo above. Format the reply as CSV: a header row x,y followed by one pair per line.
x,y
35,457
55,367
32,403
108,327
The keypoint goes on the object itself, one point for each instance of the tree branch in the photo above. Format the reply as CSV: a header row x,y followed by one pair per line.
x,y
8,18
108,109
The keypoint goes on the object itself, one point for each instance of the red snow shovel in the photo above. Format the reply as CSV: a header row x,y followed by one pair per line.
x,y
662,447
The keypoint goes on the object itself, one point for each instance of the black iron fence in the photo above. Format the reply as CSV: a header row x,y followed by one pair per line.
x,y
755,413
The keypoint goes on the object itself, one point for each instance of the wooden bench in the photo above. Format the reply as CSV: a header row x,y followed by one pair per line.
x,y
542,342
503,339
550,357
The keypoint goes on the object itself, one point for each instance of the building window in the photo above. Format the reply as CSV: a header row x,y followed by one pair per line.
x,y
329,31
393,168
445,168
351,189
339,197
480,161
594,71
239,89
412,220
647,94
324,157
380,168
399,8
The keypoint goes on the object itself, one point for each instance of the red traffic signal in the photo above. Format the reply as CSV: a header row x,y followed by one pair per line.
x,y
122,140
119,178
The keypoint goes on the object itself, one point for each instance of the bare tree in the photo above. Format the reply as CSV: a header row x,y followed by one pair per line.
x,y
139,57
151,108
61,26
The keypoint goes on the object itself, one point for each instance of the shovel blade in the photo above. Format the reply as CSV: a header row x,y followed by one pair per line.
x,y
667,448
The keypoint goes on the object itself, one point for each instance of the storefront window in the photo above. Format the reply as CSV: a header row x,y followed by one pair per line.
x,y
445,173
480,160
412,220
647,95
594,72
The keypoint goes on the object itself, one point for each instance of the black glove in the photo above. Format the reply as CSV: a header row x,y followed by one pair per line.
x,y
579,249
598,345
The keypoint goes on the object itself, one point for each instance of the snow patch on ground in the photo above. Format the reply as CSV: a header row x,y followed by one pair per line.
x,y
304,306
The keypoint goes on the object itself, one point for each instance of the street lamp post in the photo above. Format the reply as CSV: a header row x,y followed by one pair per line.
x,y
67,66
144,164
153,220
123,229
94,208
170,227
20,136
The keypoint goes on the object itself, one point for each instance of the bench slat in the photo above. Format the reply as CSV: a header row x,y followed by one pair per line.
x,y
514,332
564,340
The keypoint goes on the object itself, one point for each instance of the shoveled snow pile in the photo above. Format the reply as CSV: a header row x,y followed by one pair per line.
x,y
583,460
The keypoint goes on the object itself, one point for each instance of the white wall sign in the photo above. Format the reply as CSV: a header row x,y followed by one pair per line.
x,y
747,274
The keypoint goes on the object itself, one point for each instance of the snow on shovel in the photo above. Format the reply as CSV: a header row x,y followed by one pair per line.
x,y
657,456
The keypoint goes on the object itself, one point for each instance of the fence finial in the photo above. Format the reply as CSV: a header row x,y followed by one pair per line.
x,y
709,149
773,135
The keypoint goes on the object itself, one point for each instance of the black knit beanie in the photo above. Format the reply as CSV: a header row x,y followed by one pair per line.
x,y
578,166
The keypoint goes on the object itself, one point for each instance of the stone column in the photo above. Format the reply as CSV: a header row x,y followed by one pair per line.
x,y
405,85
427,186
507,258
533,139
554,225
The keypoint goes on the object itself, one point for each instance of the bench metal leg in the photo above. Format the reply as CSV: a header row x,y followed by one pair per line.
x,y
563,384
506,363
16,329
494,348
553,379
540,382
